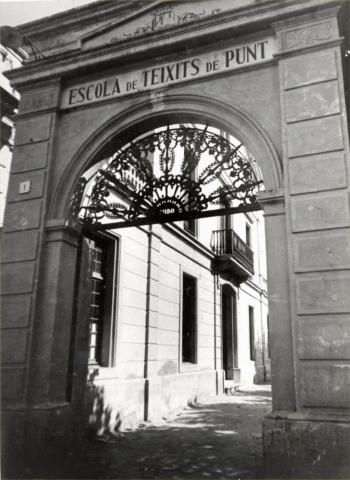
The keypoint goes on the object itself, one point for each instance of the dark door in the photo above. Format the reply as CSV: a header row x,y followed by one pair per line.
x,y
229,331
189,319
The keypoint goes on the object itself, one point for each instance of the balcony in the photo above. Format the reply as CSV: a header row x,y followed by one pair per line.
x,y
234,260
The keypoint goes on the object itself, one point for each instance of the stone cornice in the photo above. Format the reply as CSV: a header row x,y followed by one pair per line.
x,y
307,18
87,14
82,15
243,21
189,239
58,231
273,203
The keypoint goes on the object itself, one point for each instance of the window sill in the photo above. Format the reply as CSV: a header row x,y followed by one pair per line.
x,y
189,367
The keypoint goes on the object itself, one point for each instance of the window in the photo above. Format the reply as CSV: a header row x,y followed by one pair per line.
x,y
248,239
229,331
103,259
190,225
251,333
268,334
189,318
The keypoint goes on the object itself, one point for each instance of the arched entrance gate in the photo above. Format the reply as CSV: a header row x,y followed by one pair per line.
x,y
280,91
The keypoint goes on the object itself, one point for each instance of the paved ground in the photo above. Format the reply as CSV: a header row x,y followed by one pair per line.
x,y
219,438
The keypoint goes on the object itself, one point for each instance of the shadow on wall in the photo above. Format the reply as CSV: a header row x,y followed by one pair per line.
x,y
262,376
168,368
105,415
101,419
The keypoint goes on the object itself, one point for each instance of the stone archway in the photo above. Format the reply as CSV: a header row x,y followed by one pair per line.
x,y
189,108
182,108
297,95
192,108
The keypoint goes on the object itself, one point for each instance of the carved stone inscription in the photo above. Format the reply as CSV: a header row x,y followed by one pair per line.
x,y
39,100
160,17
309,35
165,74
167,17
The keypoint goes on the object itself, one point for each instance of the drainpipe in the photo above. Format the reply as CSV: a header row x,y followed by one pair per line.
x,y
261,303
215,339
148,292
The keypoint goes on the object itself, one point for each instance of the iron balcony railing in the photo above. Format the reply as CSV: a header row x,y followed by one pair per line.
x,y
227,242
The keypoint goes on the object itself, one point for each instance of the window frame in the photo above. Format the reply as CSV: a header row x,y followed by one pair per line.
x,y
248,235
194,362
111,244
251,320
191,226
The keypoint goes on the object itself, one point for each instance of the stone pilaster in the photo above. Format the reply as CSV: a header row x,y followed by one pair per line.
x,y
280,332
316,190
151,342
22,246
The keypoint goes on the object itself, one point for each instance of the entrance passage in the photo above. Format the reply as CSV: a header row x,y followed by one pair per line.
x,y
229,332
156,318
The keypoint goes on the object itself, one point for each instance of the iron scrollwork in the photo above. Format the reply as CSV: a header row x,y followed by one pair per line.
x,y
175,173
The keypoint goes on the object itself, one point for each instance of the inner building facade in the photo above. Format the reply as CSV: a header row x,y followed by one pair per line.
x,y
178,310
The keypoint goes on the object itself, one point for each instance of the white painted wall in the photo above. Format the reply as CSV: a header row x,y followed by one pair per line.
x,y
179,253
7,62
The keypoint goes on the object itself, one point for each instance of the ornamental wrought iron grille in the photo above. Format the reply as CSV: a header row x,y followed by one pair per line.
x,y
174,173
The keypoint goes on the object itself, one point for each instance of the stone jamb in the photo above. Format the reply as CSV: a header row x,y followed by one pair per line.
x,y
282,369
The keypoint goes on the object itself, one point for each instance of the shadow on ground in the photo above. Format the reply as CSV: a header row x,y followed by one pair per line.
x,y
218,438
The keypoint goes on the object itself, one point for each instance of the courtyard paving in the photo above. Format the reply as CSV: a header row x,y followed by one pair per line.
x,y
218,438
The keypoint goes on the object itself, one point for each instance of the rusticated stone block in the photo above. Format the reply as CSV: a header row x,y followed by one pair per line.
x,y
312,101
322,251
14,345
29,157
324,337
315,136
22,215
31,130
310,68
317,172
12,385
325,385
15,311
310,34
305,449
19,246
17,277
32,182
12,439
39,100
320,211
326,293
